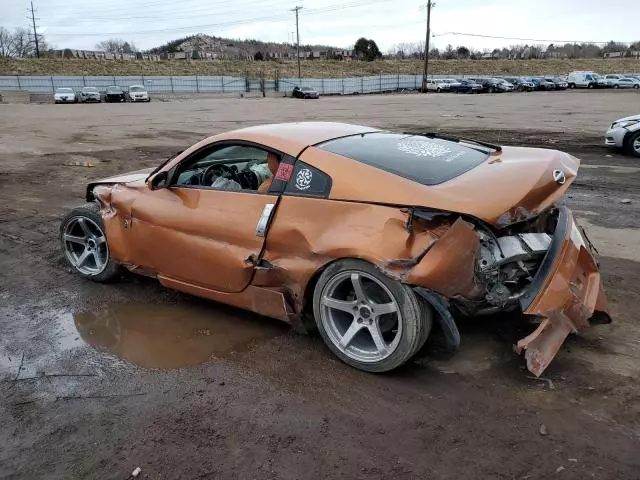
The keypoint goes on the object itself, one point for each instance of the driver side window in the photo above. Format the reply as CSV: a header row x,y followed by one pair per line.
x,y
229,167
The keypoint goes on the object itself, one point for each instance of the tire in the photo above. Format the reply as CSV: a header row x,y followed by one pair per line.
x,y
633,138
490,90
590,85
438,90
616,86
85,225
405,326
636,86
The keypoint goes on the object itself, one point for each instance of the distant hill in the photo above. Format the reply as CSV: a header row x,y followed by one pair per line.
x,y
231,49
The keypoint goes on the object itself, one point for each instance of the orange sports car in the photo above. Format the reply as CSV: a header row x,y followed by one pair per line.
x,y
368,235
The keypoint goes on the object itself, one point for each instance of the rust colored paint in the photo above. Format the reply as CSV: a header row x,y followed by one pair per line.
x,y
521,184
571,294
309,233
448,268
204,241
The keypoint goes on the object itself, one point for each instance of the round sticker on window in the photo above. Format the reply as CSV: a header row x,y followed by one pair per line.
x,y
303,179
423,148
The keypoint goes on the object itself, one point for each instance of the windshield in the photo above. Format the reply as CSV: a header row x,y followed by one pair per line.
x,y
90,90
429,161
114,89
306,89
65,90
596,76
136,89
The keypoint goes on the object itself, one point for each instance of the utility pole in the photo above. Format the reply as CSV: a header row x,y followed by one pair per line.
x,y
35,30
297,9
430,5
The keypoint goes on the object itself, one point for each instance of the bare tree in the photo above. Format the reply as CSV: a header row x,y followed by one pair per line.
x,y
116,45
5,42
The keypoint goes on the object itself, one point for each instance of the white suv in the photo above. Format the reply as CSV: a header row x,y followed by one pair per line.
x,y
625,134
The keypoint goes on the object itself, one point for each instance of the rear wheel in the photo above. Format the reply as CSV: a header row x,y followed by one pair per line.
x,y
368,320
84,244
490,90
616,86
632,144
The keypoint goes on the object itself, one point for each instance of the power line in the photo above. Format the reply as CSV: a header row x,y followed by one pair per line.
x,y
519,39
316,11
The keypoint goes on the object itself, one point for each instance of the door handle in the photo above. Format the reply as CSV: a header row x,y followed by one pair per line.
x,y
263,223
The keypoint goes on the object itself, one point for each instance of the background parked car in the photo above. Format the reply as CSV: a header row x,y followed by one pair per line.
x,y
437,85
304,92
137,93
627,82
452,82
542,84
521,85
465,85
89,94
115,94
65,95
580,79
559,83
611,80
494,85
625,134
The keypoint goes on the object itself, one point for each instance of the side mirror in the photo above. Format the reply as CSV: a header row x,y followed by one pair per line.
x,y
159,180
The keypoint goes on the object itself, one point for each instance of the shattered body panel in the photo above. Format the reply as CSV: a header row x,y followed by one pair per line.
x,y
469,252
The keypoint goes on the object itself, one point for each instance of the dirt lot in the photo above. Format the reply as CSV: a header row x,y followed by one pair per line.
x,y
96,380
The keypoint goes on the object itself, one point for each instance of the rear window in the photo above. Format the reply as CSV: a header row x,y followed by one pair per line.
x,y
428,161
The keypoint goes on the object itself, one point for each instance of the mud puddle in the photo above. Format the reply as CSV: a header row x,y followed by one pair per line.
x,y
169,336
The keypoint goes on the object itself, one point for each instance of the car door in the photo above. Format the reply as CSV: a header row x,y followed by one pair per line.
x,y
202,235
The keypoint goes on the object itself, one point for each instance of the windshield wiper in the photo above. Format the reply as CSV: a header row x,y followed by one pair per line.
x,y
451,138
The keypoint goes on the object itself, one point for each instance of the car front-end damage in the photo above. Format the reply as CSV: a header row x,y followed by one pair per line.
x,y
543,267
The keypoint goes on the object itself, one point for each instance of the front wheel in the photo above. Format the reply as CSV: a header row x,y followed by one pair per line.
x,y
84,243
368,320
632,144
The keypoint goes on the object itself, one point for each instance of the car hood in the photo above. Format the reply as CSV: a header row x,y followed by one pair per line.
x,y
626,119
130,177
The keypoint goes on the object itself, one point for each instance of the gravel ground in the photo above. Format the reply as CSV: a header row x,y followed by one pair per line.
x,y
96,380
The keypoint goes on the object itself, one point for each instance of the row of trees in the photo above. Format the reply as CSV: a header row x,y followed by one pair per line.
x,y
568,50
20,43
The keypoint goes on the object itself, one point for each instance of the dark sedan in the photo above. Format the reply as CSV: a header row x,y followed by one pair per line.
x,y
494,85
466,86
559,83
520,84
115,94
304,92
542,84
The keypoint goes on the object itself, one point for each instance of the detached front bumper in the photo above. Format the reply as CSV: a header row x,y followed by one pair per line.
x,y
566,293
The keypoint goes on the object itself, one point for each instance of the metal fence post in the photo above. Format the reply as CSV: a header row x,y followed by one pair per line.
x,y
380,82
52,87
171,82
398,80
18,79
114,80
246,81
322,85
197,85
84,81
361,84
222,83
342,75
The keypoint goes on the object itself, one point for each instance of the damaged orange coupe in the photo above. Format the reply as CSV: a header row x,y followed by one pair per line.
x,y
369,235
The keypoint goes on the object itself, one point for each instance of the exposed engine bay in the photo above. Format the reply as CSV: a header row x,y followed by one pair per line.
x,y
507,262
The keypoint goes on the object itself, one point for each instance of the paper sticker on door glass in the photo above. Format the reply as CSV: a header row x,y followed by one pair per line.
x,y
423,148
303,179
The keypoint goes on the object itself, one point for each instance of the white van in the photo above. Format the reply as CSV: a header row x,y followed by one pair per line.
x,y
585,80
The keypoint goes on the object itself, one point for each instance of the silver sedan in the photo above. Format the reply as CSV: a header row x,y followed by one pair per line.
x,y
625,134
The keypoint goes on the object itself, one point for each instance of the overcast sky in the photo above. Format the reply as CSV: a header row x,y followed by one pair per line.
x,y
81,24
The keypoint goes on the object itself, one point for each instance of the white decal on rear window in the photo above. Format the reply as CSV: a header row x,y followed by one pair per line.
x,y
303,179
423,148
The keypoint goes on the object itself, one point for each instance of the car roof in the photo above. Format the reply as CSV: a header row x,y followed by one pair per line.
x,y
289,138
